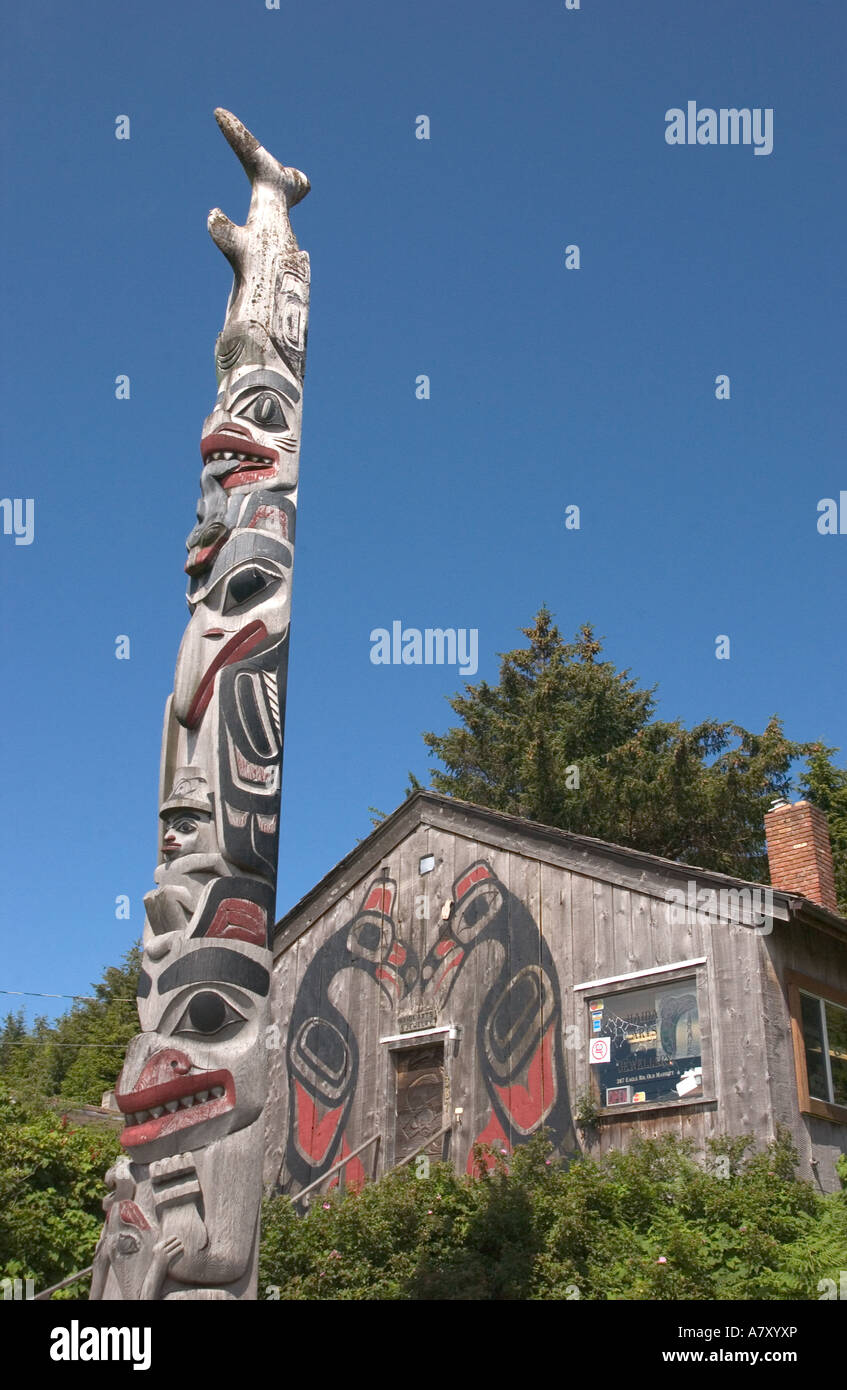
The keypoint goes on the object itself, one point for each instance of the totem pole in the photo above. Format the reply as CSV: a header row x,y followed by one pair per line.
x,y
182,1214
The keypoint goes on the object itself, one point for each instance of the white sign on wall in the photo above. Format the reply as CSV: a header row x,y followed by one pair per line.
x,y
601,1049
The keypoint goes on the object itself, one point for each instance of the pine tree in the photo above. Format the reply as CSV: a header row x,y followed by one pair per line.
x,y
566,739
80,1055
826,786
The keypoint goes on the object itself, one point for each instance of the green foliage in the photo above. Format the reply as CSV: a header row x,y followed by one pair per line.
x,y
51,1189
51,1171
649,1224
586,1110
80,1056
697,795
826,786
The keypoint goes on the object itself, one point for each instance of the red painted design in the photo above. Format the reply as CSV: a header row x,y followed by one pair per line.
x,y
162,1067
202,559
492,1134
527,1105
390,977
314,1136
168,1077
443,948
234,442
131,1215
355,1176
234,650
398,954
475,876
451,965
275,515
241,919
379,900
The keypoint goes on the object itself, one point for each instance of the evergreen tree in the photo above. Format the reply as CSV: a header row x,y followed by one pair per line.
x,y
826,786
81,1054
568,740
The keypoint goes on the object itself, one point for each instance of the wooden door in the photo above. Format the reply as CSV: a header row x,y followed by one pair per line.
x,y
420,1099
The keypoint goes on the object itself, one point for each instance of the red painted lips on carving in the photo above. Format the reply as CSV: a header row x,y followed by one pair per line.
x,y
250,465
168,1096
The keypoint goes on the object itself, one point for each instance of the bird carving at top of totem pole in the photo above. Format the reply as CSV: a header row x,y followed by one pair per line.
x,y
252,436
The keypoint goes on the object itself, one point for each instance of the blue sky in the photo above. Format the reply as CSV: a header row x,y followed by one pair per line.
x,y
445,257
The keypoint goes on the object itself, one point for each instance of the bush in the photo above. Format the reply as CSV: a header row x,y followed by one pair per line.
x,y
653,1223
51,1189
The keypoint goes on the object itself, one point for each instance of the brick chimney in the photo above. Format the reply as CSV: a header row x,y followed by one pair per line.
x,y
799,852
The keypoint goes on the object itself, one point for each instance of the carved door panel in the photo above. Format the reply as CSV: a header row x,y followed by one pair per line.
x,y
420,1100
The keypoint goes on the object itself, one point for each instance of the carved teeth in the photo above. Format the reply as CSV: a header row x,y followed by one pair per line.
x,y
157,1111
217,1092
186,1102
171,1106
228,455
202,1096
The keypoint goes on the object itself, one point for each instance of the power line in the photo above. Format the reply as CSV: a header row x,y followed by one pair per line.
x,y
89,998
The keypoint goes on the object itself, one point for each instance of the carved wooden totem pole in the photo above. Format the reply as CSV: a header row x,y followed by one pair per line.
x,y
182,1215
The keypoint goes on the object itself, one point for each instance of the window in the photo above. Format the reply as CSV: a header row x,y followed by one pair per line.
x,y
652,1052
825,1044
819,1027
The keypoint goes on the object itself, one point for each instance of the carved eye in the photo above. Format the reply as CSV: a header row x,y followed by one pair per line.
x,y
267,412
246,586
208,1013
184,826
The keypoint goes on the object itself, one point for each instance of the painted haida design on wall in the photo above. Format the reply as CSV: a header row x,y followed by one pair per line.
x,y
182,1214
322,1054
518,1042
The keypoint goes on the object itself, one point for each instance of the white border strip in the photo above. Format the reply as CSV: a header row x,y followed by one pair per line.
x,y
640,974
421,1033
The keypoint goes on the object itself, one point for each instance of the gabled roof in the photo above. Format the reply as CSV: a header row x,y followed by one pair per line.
x,y
582,854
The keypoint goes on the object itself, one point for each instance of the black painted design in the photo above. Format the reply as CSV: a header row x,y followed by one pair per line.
x,y
322,1053
215,963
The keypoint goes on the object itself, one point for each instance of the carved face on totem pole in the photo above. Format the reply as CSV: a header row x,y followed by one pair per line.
x,y
239,607
198,1071
194,1081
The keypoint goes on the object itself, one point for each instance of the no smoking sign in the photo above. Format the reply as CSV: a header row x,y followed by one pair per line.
x,y
601,1049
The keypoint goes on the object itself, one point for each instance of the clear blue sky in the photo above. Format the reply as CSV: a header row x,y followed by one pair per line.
x,y
443,257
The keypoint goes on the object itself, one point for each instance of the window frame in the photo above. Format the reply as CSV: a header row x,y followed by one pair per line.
x,y
804,984
625,985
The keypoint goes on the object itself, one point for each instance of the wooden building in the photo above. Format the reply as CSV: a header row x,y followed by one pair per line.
x,y
464,975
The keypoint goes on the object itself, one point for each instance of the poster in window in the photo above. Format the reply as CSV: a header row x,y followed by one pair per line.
x,y
654,1035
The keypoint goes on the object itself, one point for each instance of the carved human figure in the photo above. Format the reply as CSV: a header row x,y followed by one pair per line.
x,y
190,855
